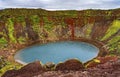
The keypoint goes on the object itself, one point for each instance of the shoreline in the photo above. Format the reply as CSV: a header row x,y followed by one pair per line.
x,y
21,62
13,50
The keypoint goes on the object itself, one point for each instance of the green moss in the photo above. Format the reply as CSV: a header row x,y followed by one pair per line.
x,y
89,30
48,25
113,43
71,13
20,19
3,42
6,65
112,29
87,13
35,23
2,62
114,40
21,40
9,66
10,27
108,14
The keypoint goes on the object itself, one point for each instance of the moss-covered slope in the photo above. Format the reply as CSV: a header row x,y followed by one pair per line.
x,y
23,26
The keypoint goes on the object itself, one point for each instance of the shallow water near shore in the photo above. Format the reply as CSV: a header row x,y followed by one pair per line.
x,y
57,52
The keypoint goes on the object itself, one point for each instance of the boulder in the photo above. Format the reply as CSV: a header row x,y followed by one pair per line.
x,y
72,64
32,67
28,70
49,65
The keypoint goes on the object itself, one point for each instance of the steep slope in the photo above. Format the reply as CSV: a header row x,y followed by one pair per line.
x,y
31,25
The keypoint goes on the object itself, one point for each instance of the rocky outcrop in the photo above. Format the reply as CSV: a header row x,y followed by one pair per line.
x,y
100,60
22,26
29,70
107,69
72,64
30,26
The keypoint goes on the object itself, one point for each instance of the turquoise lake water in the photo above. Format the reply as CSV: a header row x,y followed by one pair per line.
x,y
57,52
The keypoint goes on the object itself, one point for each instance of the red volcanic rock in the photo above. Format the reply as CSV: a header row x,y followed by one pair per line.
x,y
102,60
10,73
26,71
112,70
107,58
71,64
32,67
70,68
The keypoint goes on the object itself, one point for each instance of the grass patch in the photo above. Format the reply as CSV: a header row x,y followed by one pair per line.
x,y
9,66
112,29
114,43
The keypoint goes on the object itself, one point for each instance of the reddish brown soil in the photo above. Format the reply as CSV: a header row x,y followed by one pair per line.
x,y
27,71
71,64
110,68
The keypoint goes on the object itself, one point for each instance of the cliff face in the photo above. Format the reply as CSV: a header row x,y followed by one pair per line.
x,y
30,25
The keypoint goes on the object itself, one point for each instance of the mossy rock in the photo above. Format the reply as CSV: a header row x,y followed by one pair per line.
x,y
49,66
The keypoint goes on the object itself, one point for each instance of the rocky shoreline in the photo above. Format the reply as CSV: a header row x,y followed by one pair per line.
x,y
20,28
110,68
11,49
9,52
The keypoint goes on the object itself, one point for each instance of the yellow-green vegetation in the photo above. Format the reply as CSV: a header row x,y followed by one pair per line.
x,y
48,25
3,42
96,60
35,23
10,27
6,65
21,19
92,62
71,13
112,29
88,30
114,43
108,14
9,66
23,12
21,40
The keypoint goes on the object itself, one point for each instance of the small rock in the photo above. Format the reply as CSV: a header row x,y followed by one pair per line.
x,y
49,65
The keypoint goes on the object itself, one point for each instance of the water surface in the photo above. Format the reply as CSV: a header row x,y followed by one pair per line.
x,y
57,52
